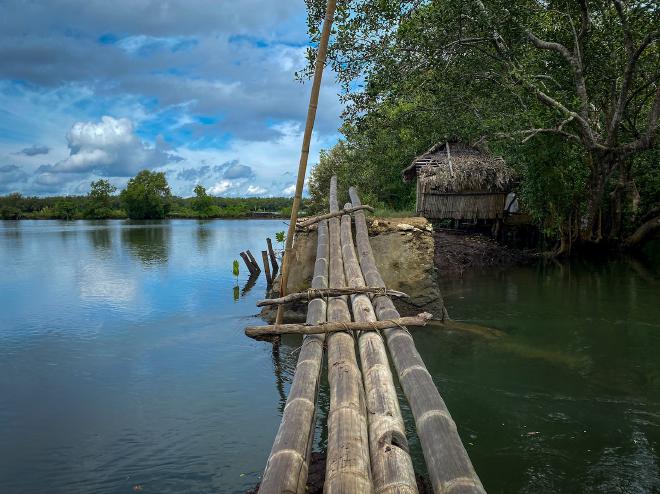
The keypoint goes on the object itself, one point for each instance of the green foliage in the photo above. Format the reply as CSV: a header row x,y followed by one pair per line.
x,y
100,200
65,209
147,196
202,203
235,268
280,237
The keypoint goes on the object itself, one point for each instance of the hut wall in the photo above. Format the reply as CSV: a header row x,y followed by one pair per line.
x,y
463,206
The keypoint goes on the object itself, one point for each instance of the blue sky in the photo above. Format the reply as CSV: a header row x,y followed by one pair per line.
x,y
201,89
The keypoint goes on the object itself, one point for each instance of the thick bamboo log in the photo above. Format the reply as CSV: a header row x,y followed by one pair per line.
x,y
304,150
248,263
391,465
347,462
288,463
257,269
266,263
449,465
273,257
347,210
329,292
337,326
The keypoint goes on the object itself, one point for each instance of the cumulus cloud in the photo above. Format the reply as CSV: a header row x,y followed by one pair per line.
x,y
255,190
289,191
35,150
109,147
236,170
193,174
221,187
11,176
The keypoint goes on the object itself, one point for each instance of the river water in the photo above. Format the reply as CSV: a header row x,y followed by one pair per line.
x,y
124,368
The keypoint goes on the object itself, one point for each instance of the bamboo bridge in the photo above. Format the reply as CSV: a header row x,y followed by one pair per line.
x,y
367,447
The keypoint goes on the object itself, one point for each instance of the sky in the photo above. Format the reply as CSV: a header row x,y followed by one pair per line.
x,y
203,90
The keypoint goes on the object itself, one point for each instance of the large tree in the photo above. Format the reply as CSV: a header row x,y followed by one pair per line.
x,y
580,77
147,195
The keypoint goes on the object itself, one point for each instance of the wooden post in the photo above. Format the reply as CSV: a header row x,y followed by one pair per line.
x,y
248,263
264,258
288,463
449,465
257,269
273,257
347,463
304,151
388,446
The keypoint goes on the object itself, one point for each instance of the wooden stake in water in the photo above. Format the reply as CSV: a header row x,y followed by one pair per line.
x,y
304,152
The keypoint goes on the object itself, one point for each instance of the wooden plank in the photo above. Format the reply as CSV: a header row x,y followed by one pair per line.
x,y
248,263
347,463
335,327
449,465
273,257
257,269
288,463
391,465
266,263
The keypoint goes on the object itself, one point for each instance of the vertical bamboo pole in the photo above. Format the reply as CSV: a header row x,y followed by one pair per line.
x,y
266,262
347,463
391,464
449,465
288,463
304,152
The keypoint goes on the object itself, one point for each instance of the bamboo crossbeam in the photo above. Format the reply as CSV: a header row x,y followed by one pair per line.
x,y
348,467
391,464
329,292
347,210
449,465
337,326
288,462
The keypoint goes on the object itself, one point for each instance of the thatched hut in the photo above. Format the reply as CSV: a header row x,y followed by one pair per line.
x,y
457,181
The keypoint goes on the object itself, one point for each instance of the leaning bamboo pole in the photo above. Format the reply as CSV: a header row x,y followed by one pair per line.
x,y
328,292
449,465
391,465
347,463
288,463
304,152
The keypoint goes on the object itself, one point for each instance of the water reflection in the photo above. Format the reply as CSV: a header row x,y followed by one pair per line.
x,y
249,284
100,236
149,242
204,235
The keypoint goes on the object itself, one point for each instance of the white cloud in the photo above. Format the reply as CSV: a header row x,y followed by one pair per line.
x,y
220,187
290,190
255,190
109,147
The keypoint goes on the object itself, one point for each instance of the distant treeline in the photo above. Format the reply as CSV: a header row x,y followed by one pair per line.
x,y
146,196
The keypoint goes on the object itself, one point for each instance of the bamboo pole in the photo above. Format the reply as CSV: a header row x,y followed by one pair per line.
x,y
266,262
273,257
248,263
288,463
335,327
347,462
329,292
347,210
449,465
304,152
257,269
391,465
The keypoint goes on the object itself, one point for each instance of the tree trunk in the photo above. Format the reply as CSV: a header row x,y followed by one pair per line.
x,y
643,233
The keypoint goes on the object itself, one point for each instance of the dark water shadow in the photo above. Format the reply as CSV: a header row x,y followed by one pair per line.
x,y
204,235
149,242
249,284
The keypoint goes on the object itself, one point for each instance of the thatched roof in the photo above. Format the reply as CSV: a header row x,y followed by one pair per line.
x,y
463,169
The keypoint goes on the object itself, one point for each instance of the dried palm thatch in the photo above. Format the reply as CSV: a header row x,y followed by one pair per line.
x,y
458,181
467,173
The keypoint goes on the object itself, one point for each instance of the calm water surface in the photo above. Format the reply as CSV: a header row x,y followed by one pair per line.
x,y
123,366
